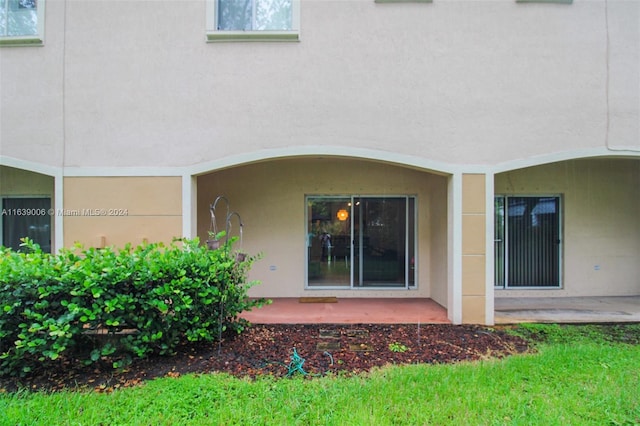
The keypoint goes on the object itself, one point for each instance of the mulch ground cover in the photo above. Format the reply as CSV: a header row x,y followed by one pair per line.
x,y
282,350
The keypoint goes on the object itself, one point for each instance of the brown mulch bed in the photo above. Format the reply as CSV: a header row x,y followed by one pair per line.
x,y
269,350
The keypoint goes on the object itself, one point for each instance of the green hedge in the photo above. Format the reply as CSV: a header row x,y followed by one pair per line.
x,y
106,305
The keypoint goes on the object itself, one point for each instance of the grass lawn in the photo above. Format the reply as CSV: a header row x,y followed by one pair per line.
x,y
577,377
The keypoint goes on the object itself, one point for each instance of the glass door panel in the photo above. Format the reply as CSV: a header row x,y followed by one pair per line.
x,y
411,247
34,222
533,234
499,242
527,241
380,242
329,241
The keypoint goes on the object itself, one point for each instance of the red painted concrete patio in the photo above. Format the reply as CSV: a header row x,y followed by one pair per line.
x,y
412,311
350,311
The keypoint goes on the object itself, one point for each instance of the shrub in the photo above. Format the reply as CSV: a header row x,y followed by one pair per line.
x,y
102,304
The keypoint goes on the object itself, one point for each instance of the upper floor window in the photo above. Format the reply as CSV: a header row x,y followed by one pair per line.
x,y
21,22
261,20
250,15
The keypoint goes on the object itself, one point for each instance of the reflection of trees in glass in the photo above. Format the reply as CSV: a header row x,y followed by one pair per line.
x,y
234,14
18,17
384,221
320,210
254,15
323,218
27,4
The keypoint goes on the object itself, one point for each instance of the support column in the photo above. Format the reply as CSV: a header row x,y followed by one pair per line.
x,y
454,272
189,206
474,250
58,219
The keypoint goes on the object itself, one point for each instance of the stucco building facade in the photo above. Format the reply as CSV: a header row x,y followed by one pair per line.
x,y
453,150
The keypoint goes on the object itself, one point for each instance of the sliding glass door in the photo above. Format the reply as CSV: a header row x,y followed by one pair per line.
x,y
361,242
329,241
527,241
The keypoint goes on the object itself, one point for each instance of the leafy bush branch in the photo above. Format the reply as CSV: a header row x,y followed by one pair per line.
x,y
103,304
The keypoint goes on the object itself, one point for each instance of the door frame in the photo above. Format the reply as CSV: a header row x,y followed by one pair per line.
x,y
410,262
505,248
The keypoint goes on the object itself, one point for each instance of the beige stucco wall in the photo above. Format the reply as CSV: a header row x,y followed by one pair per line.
x,y
458,82
114,211
270,197
32,96
438,242
601,221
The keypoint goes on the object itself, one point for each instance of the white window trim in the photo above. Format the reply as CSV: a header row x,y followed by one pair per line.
x,y
546,1
28,40
403,1
215,35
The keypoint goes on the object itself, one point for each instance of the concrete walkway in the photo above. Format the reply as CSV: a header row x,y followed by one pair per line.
x,y
567,309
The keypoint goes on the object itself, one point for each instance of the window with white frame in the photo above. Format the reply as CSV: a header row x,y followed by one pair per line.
x,y
21,22
261,20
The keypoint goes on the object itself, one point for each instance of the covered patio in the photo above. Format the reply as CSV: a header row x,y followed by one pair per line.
x,y
293,310
426,311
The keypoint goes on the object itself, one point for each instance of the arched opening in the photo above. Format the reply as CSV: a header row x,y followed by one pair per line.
x,y
405,255
567,229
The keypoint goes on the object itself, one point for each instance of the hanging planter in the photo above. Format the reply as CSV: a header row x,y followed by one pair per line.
x,y
214,243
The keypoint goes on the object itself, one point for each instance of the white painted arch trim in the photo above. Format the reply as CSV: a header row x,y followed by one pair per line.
x,y
31,166
562,156
326,151
123,171
402,160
